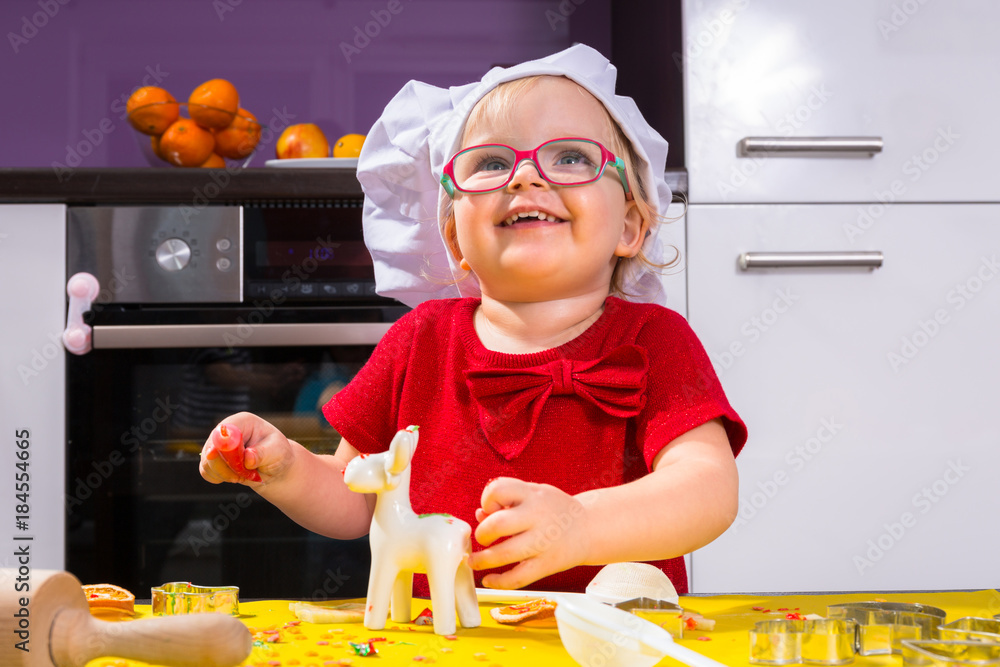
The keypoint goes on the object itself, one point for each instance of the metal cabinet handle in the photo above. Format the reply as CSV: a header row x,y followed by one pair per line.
x,y
869,259
237,335
777,146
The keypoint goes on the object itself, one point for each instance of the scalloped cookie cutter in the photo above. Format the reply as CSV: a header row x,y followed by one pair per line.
x,y
182,597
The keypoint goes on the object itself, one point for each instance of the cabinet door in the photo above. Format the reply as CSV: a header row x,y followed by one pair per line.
x,y
32,383
869,395
919,75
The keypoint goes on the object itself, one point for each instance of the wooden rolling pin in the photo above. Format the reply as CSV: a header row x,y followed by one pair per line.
x,y
50,625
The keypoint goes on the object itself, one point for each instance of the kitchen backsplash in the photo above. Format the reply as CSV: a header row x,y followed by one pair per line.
x,y
69,65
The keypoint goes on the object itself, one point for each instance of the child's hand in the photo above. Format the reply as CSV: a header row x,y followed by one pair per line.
x,y
545,527
263,454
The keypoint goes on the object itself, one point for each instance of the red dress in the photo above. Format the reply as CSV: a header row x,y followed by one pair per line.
x,y
591,413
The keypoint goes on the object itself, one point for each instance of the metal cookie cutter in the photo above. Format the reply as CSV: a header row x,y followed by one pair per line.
x,y
663,613
971,629
926,653
882,626
814,642
181,597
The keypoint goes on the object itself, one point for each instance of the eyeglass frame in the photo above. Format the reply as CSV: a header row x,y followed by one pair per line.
x,y
450,184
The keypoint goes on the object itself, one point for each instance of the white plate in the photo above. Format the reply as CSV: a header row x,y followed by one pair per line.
x,y
310,162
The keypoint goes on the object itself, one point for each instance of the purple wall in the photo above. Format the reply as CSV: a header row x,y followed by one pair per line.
x,y
67,66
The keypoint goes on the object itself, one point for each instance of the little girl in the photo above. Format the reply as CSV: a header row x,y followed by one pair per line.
x,y
570,427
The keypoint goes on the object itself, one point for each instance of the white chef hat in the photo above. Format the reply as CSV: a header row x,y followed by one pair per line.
x,y
405,152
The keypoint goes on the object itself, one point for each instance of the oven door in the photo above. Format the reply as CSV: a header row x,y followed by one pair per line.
x,y
140,407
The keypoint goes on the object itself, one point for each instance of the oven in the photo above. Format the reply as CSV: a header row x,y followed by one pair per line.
x,y
188,315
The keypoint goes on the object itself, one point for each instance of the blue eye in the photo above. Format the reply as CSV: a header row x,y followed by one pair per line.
x,y
492,163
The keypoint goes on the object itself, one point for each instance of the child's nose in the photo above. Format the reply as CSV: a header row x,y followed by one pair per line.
x,y
526,174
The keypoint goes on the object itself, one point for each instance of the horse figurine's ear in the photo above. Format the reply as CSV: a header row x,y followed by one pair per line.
x,y
401,451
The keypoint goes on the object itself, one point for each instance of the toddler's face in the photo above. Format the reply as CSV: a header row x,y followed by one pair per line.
x,y
572,246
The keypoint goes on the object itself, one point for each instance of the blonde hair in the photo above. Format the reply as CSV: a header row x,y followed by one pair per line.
x,y
494,107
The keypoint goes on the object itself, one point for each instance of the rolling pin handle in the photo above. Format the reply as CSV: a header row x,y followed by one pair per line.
x,y
193,640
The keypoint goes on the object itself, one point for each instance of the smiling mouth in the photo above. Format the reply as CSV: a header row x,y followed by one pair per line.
x,y
530,216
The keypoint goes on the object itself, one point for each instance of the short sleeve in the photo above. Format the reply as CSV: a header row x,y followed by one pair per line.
x,y
364,412
683,391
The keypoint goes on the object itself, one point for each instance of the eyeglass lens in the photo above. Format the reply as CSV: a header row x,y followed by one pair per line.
x,y
559,162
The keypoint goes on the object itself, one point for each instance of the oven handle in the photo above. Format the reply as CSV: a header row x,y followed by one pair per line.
x,y
238,335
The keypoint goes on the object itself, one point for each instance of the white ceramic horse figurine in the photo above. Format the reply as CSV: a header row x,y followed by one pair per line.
x,y
403,543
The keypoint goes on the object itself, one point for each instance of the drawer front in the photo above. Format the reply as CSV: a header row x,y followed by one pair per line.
x,y
868,393
862,100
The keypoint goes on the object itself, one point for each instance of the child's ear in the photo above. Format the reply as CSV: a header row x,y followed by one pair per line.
x,y
633,232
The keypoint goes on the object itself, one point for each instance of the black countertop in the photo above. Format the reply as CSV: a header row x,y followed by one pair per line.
x,y
195,187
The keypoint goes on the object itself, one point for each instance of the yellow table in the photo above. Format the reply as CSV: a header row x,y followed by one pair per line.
x,y
537,642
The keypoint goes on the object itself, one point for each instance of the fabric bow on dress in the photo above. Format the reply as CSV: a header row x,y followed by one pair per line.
x,y
510,400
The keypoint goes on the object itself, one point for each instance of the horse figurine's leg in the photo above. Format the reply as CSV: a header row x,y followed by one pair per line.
x,y
465,596
379,591
441,579
402,594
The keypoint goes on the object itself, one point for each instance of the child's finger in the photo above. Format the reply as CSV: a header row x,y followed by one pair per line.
x,y
502,523
501,493
524,573
513,550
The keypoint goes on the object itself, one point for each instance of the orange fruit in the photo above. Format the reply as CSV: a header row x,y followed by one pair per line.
x,y
240,138
185,144
348,145
151,110
214,161
154,141
302,140
102,597
213,104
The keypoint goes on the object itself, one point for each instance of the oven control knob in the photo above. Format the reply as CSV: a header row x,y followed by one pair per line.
x,y
173,254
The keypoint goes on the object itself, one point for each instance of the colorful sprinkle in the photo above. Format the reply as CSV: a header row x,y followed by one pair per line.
x,y
364,649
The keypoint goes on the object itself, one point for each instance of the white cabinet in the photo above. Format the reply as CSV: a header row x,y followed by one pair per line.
x,y
920,75
32,384
870,395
